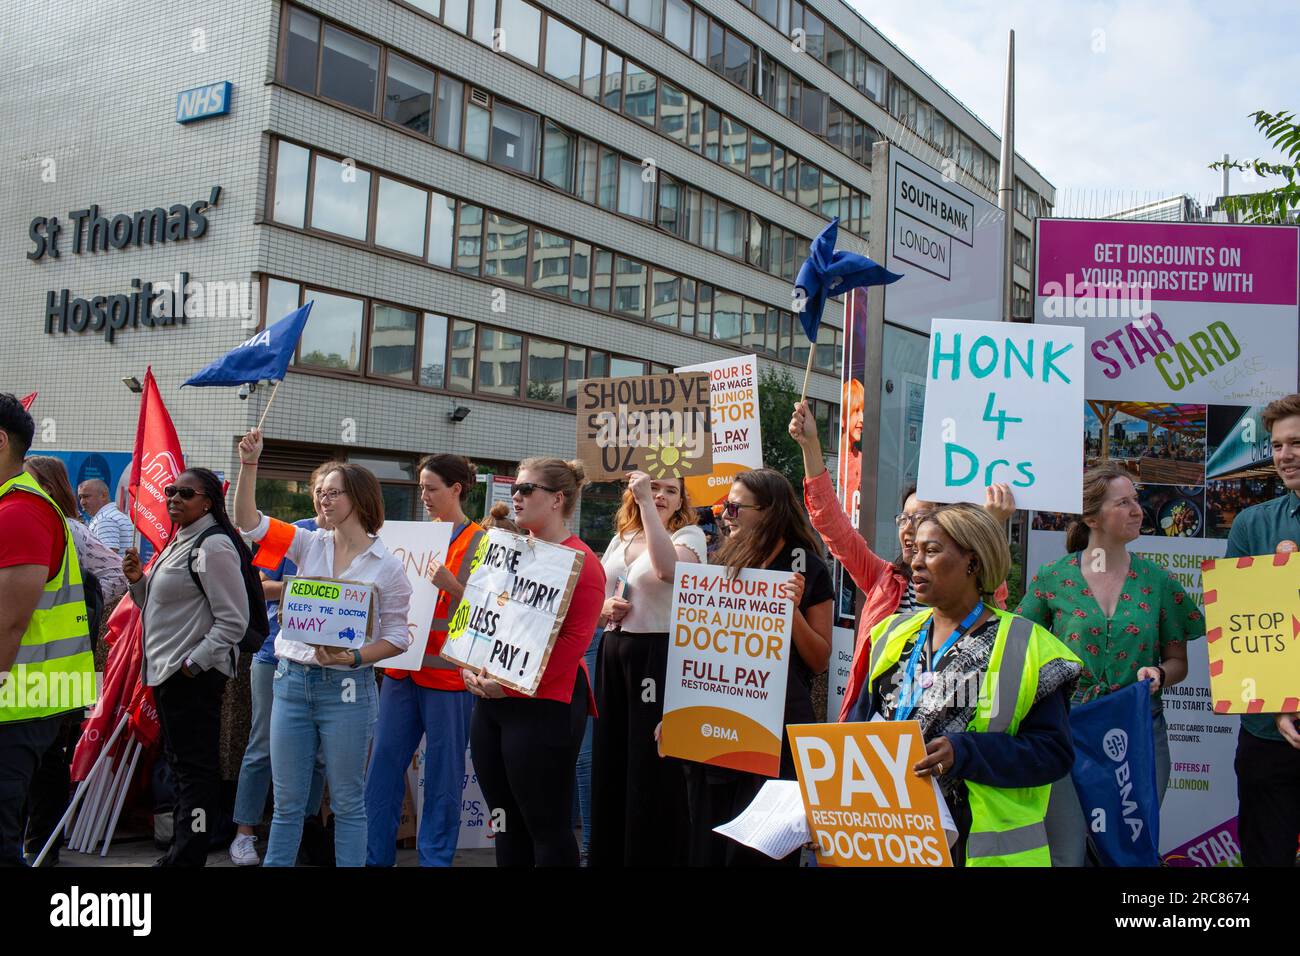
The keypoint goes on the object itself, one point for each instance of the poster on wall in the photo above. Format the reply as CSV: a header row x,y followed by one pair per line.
x,y
113,468
848,476
737,434
947,240
1196,313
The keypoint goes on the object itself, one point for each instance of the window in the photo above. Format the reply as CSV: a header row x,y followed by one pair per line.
x,y
695,129
672,112
587,171
514,139
581,290
669,205
545,371
521,27
639,94
433,351
603,278
399,217
688,306
809,183
814,111
613,80
598,365
281,299
736,63
760,160
635,195
767,10
301,50
757,240
838,54
340,201
485,17
591,69
455,14
875,80
831,197
469,239
507,249
700,43
826,352
778,169
478,125
816,31
704,311
461,378
392,341
726,317
1021,248
775,240
712,125
332,339
408,95
1022,305
442,221
794,102
667,291
450,100
783,345
717,47
349,69
691,213
557,157
754,324
607,193
731,230
629,287
498,362
648,13
625,368
551,263
709,222
563,52
575,370
677,24
735,144
290,205
835,120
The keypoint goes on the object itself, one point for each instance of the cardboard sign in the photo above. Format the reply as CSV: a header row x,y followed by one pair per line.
x,y
518,592
417,544
325,611
728,661
659,424
1003,403
737,434
837,676
1252,619
865,805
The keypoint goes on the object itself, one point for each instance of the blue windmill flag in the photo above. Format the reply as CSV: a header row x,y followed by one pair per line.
x,y
828,272
1115,776
264,357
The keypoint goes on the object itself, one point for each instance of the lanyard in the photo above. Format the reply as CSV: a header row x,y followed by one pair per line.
x,y
910,695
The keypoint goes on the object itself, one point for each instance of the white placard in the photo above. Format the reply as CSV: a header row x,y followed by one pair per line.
x,y
324,612
737,431
837,676
417,544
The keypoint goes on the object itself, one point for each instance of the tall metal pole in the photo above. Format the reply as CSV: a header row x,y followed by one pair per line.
x,y
1007,176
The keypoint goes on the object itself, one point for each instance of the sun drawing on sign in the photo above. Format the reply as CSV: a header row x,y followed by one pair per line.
x,y
668,458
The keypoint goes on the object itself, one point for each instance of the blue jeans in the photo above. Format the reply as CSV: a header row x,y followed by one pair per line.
x,y
255,771
408,711
584,755
319,709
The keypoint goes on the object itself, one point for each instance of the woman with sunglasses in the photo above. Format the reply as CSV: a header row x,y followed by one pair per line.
x,y
525,749
191,639
638,813
768,531
886,586
325,698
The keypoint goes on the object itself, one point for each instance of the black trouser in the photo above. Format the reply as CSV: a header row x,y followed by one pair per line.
x,y
21,745
48,797
638,799
718,795
525,752
1268,794
189,712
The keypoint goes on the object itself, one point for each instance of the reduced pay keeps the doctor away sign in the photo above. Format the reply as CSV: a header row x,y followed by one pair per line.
x,y
1003,403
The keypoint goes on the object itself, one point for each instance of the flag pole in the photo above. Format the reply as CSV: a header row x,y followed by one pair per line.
x,y
268,405
807,372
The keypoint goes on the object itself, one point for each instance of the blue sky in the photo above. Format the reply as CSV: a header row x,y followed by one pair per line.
x,y
1134,96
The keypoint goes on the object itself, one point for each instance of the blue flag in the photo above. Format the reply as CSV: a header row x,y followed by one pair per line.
x,y
264,357
827,272
1115,776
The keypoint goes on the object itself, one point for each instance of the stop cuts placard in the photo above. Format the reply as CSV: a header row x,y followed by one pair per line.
x,y
728,660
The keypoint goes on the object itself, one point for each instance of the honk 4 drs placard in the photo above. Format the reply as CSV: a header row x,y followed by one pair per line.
x,y
516,597
1003,403
728,661
325,611
659,424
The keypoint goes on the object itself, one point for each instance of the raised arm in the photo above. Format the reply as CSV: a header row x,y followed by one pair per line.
x,y
250,450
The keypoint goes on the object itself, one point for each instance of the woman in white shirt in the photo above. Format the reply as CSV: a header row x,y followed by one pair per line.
x,y
326,696
639,814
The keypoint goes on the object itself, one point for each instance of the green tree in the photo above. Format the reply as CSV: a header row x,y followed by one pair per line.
x,y
777,394
1273,205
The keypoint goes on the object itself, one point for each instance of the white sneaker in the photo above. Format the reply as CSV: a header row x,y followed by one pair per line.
x,y
242,851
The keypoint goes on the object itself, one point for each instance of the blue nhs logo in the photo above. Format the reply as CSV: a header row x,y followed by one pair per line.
x,y
203,102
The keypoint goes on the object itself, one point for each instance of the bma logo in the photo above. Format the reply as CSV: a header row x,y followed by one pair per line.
x,y
1115,744
203,102
723,733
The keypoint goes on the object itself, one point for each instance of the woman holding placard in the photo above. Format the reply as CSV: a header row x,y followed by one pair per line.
x,y
887,586
525,749
325,697
1128,619
989,689
638,799
767,530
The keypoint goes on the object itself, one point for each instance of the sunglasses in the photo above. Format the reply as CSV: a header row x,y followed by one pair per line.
x,y
176,491
732,510
526,488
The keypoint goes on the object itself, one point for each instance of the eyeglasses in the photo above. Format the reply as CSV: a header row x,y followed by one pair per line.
x,y
732,509
178,491
904,520
526,488
329,494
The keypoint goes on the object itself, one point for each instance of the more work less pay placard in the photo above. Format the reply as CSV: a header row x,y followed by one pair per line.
x,y
728,661
330,613
1003,403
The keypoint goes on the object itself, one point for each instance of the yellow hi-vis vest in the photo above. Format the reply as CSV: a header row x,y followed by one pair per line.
x,y
1007,826
54,671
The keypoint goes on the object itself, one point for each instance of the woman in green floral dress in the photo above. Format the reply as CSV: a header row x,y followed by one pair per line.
x,y
1126,617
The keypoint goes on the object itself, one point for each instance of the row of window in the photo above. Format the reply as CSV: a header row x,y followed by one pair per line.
x,y
312,190
1022,302
322,59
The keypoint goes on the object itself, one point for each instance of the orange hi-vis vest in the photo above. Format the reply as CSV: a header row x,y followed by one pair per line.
x,y
439,674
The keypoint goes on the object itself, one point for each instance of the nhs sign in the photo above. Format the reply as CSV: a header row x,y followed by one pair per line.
x,y
203,102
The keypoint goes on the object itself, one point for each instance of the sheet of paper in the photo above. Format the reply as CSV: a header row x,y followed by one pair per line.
x,y
774,824
945,815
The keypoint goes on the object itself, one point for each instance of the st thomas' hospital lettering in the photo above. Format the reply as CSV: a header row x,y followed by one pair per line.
x,y
149,304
